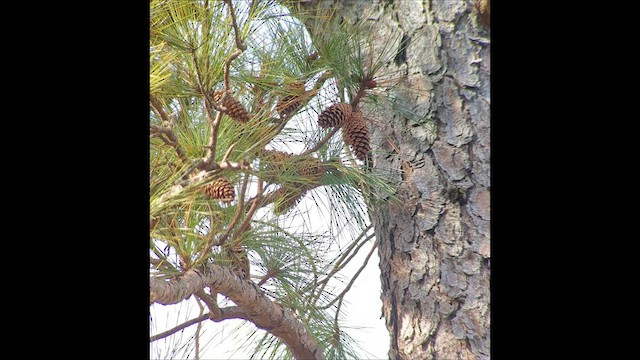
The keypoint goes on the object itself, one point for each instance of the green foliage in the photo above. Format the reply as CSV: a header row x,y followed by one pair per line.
x,y
194,49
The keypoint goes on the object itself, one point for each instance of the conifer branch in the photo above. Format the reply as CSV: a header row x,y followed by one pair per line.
x,y
263,313
166,131
210,301
209,162
254,206
227,313
232,224
182,326
158,108
320,143
359,95
239,43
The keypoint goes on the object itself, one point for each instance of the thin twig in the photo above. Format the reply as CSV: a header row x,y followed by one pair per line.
x,y
359,95
254,206
179,327
226,155
231,312
227,69
321,142
267,276
341,262
209,162
210,301
226,164
366,261
198,328
158,108
167,131
239,43
230,165
240,210
169,140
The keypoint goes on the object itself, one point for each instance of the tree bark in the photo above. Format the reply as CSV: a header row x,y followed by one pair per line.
x,y
434,249
264,313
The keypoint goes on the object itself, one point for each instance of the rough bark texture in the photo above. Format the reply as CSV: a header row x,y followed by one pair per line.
x,y
434,249
264,313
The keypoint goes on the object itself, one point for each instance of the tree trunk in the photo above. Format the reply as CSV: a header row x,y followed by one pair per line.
x,y
434,249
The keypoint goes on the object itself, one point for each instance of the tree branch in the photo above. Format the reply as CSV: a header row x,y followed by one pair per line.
x,y
231,312
239,43
355,276
174,330
261,311
166,130
321,142
209,162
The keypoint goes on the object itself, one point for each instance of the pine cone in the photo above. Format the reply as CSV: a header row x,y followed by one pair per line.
x,y
290,102
356,134
312,169
235,110
272,162
334,115
220,189
287,198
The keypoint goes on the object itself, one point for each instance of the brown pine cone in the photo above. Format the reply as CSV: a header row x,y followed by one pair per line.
x,y
220,189
312,169
235,110
275,156
356,134
334,115
290,102
272,162
287,198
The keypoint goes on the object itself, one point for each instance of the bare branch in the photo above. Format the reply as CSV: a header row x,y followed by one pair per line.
x,y
239,43
267,276
341,262
231,312
254,206
321,142
174,330
264,313
166,131
210,300
355,276
198,329
158,108
230,165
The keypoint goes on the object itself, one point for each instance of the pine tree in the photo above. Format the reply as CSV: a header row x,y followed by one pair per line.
x,y
244,122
